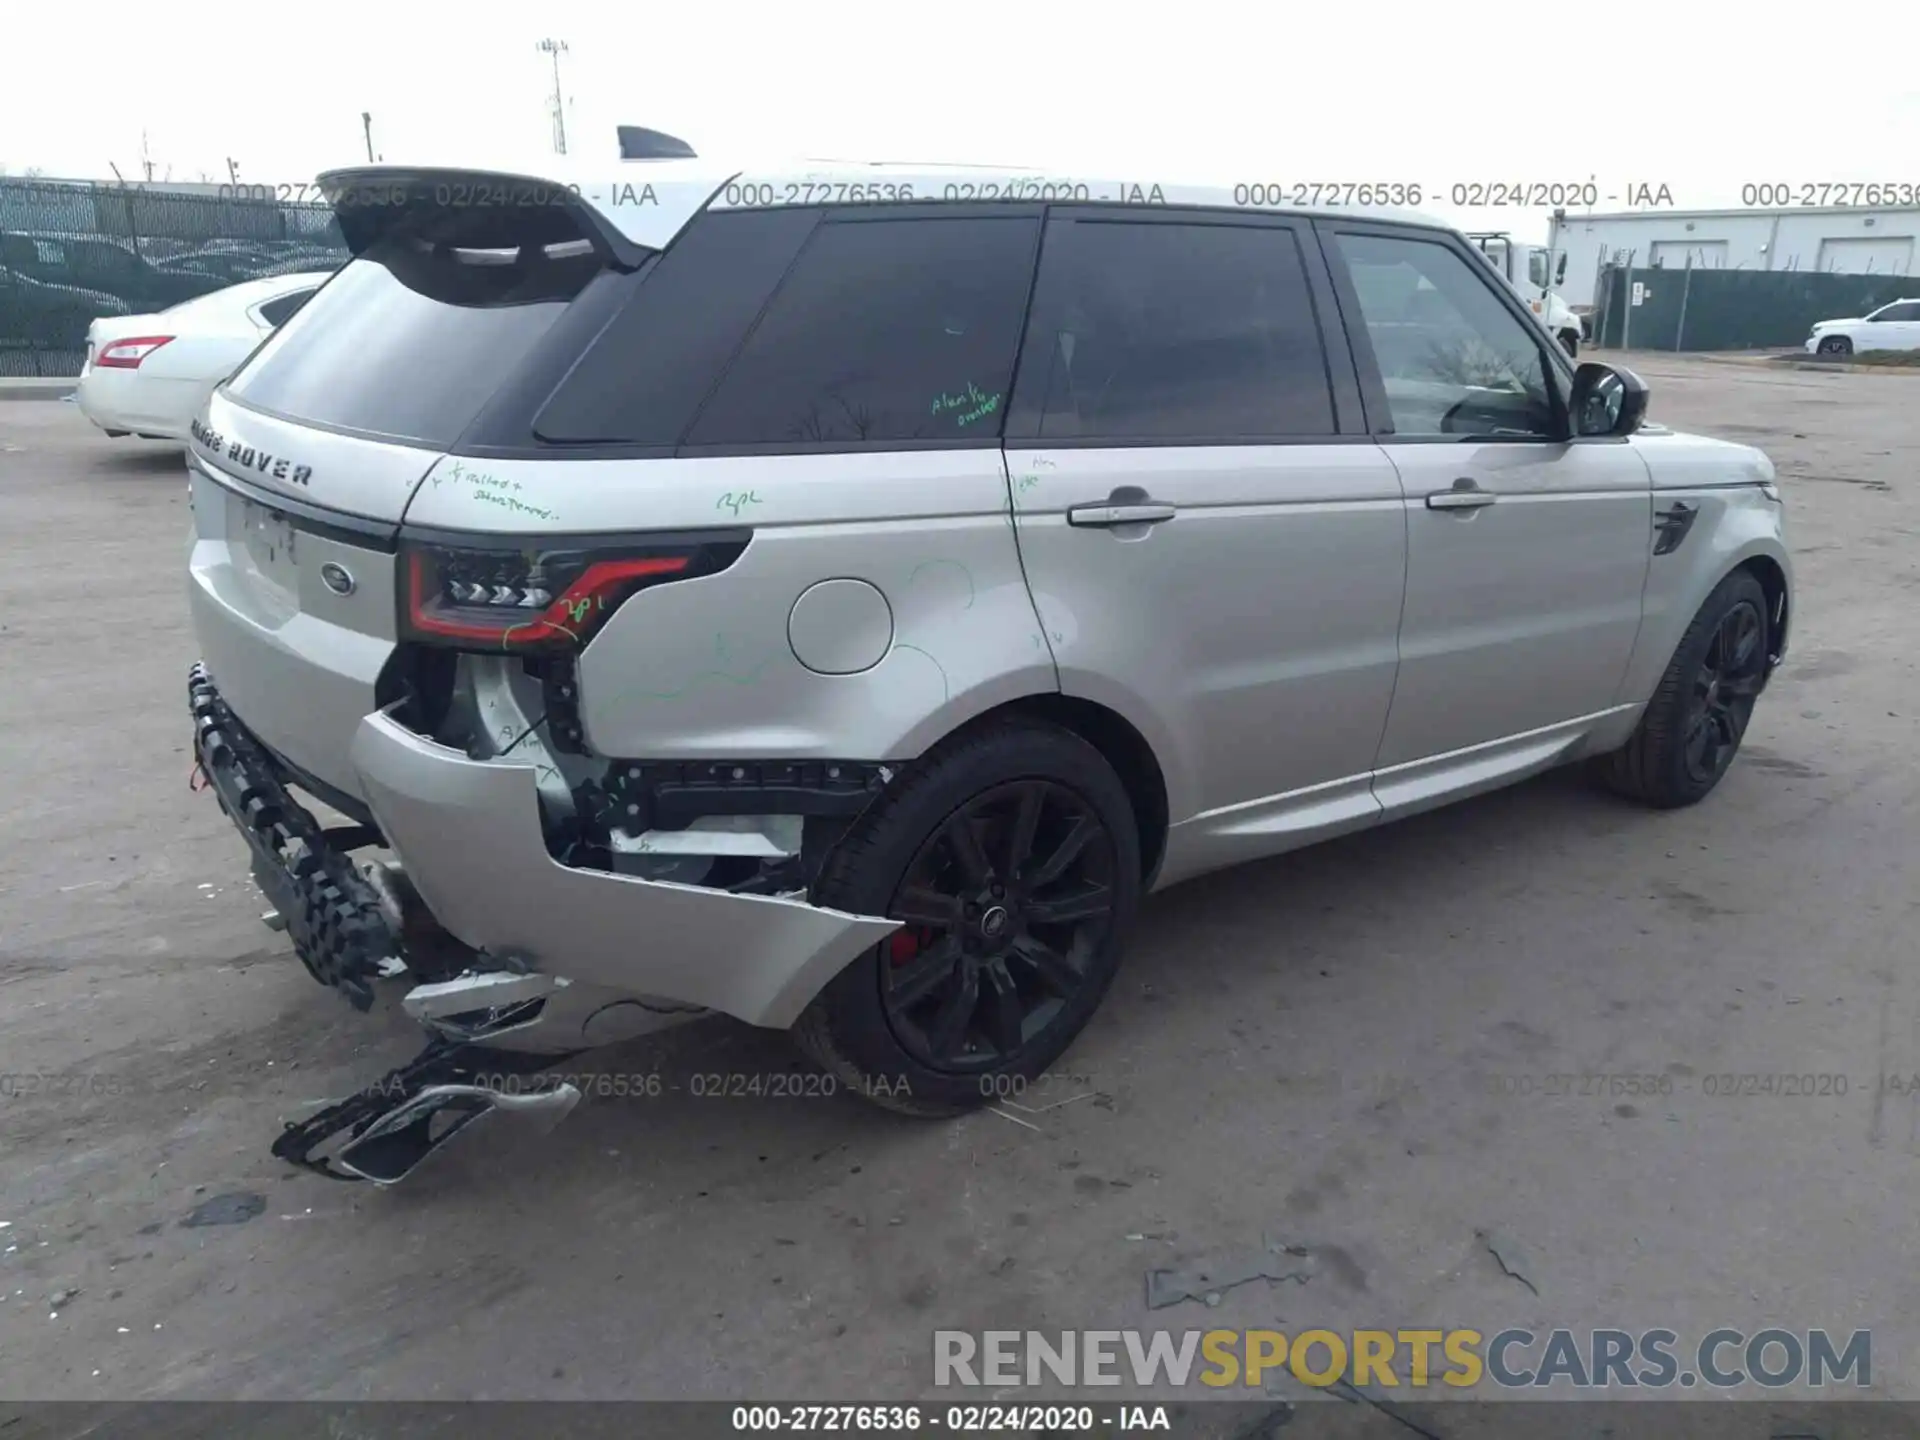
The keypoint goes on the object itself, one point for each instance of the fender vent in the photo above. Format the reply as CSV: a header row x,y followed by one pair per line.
x,y
1670,526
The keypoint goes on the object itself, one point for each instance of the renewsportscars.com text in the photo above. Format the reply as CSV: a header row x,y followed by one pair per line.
x,y
1459,1359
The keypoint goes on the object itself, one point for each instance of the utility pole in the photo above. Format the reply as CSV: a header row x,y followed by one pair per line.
x,y
555,49
366,124
233,171
146,160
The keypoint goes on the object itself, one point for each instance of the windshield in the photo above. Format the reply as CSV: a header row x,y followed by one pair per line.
x,y
412,338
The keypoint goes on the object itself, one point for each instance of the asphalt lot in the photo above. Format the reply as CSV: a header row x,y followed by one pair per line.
x,y
1293,1048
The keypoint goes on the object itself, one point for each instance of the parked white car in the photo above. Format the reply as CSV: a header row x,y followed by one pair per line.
x,y
149,375
1894,326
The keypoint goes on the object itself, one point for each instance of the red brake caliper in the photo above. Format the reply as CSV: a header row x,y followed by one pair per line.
x,y
903,945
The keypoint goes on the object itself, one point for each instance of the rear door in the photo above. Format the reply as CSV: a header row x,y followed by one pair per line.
x,y
1215,549
1526,551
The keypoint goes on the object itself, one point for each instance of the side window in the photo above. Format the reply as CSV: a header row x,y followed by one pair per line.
x,y
1908,311
1200,332
886,330
278,311
1454,360
1537,268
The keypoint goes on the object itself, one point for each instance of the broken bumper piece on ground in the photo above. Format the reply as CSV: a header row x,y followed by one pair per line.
x,y
385,1132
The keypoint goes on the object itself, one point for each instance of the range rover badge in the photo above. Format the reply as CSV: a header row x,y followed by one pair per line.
x,y
336,578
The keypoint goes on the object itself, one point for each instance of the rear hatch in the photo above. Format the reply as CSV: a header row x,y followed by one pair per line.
x,y
303,465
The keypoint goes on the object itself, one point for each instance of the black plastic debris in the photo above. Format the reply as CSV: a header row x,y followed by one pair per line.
x,y
234,1208
1211,1279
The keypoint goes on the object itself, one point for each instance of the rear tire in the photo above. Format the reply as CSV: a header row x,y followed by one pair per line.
x,y
1698,716
1012,852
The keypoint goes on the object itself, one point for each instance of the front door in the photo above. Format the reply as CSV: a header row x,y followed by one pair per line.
x,y
1526,551
1214,550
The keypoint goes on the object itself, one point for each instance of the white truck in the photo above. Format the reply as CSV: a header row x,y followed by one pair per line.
x,y
1526,268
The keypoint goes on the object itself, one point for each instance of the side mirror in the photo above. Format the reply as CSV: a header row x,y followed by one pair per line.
x,y
1560,270
1607,401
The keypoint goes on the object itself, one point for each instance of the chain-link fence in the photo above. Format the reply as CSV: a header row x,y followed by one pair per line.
x,y
1695,308
71,252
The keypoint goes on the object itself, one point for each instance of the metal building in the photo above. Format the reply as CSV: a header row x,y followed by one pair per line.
x,y
1835,240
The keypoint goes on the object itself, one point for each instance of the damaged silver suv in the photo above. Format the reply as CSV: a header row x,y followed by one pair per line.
x,y
832,598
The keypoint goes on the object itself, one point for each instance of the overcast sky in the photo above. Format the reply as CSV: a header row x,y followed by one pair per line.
x,y
1688,94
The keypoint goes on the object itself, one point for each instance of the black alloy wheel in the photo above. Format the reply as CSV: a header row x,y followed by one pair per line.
x,y
1004,905
1724,688
1698,714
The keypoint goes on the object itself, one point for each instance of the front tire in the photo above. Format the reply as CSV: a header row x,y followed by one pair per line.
x,y
1836,345
1012,853
1693,726
1570,342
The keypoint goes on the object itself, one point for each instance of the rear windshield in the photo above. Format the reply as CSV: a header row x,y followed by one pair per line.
x,y
412,338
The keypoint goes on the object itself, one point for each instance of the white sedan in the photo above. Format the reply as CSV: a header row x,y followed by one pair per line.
x,y
1892,327
149,375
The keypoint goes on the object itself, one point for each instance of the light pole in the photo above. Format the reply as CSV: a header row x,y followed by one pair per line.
x,y
557,48
366,124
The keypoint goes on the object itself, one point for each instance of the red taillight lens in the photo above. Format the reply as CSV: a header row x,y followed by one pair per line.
x,y
526,601
127,354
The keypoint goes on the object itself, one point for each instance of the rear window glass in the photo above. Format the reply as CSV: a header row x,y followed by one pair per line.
x,y
411,339
885,331
645,376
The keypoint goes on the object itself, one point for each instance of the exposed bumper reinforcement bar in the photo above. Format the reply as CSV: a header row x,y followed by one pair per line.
x,y
332,914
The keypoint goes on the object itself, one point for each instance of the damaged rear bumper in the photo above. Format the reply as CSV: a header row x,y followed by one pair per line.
x,y
469,835
551,959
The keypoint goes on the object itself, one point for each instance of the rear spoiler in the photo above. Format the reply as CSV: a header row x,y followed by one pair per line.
x,y
477,209
639,143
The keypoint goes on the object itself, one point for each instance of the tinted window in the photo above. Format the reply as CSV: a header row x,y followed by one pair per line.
x,y
410,340
885,331
1908,311
644,377
278,312
1175,332
1454,359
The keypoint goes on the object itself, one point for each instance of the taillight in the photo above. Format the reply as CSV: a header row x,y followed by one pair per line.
x,y
127,354
531,599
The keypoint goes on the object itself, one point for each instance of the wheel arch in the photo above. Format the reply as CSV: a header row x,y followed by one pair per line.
x,y
1119,742
1773,579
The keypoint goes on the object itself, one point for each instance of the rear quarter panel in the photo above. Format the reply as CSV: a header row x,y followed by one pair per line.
x,y
707,668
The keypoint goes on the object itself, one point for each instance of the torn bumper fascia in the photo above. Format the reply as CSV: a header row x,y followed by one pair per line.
x,y
468,833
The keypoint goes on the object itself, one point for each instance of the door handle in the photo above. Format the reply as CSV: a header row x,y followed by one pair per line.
x,y
1466,494
1130,513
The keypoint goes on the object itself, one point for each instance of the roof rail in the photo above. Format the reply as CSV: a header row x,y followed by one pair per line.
x,y
639,143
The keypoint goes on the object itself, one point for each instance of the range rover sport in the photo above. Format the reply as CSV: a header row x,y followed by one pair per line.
x,y
833,598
